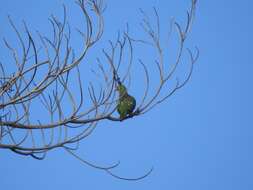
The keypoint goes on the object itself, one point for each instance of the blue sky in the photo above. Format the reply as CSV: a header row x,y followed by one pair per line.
x,y
200,139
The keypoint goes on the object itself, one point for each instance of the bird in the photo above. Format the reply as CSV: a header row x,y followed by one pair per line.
x,y
126,103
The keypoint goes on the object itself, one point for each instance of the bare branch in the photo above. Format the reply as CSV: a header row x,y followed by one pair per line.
x,y
47,78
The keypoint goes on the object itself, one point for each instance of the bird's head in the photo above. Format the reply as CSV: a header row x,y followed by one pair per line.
x,y
122,89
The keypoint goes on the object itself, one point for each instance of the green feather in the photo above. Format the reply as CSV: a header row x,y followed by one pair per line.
x,y
126,103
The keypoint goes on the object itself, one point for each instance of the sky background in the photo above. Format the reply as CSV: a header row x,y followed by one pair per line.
x,y
200,139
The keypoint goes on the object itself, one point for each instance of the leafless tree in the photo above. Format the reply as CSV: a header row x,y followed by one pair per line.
x,y
47,66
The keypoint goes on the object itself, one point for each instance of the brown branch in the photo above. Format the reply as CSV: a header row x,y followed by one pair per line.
x,y
43,73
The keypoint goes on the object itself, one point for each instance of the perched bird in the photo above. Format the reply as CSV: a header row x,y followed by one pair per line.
x,y
126,103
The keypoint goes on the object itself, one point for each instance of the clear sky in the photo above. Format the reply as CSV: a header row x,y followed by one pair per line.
x,y
200,139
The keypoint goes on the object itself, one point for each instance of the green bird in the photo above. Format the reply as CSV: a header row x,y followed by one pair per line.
x,y
126,102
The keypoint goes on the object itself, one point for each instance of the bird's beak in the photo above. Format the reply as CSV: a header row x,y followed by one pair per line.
x,y
117,88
